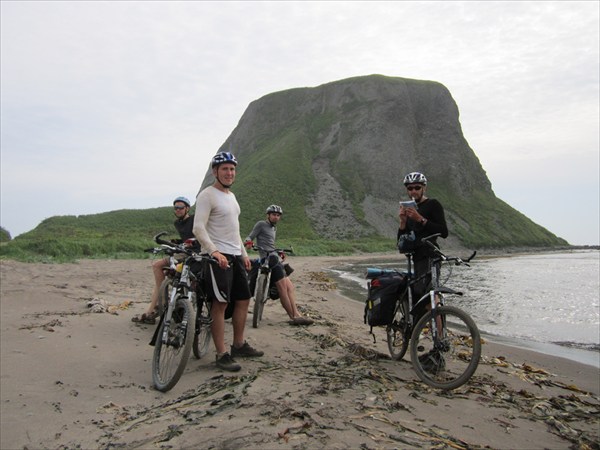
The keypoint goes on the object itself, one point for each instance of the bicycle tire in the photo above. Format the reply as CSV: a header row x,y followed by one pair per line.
x,y
170,358
398,332
451,361
260,298
164,292
202,335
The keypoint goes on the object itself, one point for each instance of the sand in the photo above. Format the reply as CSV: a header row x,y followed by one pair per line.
x,y
73,378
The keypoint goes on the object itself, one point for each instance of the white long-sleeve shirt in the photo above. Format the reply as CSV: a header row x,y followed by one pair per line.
x,y
216,222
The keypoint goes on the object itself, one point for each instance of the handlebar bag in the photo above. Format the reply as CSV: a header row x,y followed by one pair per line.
x,y
381,299
407,242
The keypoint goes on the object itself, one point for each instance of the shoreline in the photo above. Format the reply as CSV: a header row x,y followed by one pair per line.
x,y
71,378
576,352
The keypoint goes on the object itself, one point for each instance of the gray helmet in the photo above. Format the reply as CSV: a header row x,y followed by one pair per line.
x,y
415,177
182,200
222,158
274,209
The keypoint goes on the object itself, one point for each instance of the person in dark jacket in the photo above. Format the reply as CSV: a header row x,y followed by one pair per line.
x,y
426,219
184,224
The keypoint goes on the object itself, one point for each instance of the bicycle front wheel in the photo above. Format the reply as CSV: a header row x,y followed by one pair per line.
x,y
164,293
260,298
173,346
203,324
447,359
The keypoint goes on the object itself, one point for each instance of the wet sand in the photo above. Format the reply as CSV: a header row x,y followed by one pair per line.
x,y
73,378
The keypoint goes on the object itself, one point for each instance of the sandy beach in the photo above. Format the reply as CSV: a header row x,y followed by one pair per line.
x,y
74,378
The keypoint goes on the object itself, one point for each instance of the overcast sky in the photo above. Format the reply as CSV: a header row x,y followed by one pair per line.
x,y
112,105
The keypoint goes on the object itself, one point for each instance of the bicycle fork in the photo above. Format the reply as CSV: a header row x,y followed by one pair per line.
x,y
437,326
182,325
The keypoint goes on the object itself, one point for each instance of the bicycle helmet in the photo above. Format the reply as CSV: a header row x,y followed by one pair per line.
x,y
274,209
415,177
182,200
222,158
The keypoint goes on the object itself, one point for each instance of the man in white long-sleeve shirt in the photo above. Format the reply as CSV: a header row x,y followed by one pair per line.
x,y
217,227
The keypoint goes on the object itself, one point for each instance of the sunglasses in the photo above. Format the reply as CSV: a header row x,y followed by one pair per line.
x,y
275,214
414,188
179,207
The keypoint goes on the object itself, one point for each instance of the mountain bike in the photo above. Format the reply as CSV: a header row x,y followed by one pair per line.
x,y
185,324
445,344
263,280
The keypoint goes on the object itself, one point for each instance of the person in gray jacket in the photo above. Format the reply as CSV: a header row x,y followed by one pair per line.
x,y
264,232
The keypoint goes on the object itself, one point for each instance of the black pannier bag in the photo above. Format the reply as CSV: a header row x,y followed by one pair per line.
x,y
384,290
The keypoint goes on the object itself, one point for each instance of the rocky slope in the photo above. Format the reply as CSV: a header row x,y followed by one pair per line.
x,y
334,157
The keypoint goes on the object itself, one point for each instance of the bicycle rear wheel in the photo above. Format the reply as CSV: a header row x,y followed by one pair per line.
x,y
202,335
398,332
173,345
449,360
260,298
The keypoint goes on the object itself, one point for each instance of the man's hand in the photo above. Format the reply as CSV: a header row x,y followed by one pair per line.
x,y
222,260
247,263
412,213
248,244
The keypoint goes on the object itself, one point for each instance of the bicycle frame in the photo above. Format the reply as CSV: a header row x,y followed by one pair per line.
x,y
182,289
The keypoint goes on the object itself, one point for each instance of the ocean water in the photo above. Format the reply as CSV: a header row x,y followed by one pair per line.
x,y
549,302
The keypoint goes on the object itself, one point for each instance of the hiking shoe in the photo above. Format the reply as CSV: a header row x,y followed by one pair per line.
x,y
246,351
226,362
301,321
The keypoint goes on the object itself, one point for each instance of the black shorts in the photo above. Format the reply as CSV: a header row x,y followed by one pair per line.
x,y
231,284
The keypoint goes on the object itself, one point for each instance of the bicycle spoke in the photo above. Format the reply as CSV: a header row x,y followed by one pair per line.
x,y
202,335
447,359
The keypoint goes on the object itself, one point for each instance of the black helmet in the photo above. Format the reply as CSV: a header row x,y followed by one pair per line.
x,y
222,158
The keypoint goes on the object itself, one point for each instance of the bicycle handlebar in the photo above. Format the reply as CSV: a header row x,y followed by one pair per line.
x,y
288,251
172,248
457,261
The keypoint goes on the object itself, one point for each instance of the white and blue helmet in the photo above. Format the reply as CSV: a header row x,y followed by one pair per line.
x,y
222,158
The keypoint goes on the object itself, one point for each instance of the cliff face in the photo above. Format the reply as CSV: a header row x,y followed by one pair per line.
x,y
334,157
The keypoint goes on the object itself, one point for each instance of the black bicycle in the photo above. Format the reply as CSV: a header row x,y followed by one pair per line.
x,y
445,344
185,324
263,280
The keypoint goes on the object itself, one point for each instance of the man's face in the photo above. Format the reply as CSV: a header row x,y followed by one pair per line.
x,y
225,173
274,217
416,191
180,209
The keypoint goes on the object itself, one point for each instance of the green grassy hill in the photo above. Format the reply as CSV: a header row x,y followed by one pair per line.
x,y
126,233
115,234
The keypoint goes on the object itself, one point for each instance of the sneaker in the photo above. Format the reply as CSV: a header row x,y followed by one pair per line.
x,y
301,321
246,351
226,362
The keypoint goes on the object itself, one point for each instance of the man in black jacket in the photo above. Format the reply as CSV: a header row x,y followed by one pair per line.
x,y
184,223
426,219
